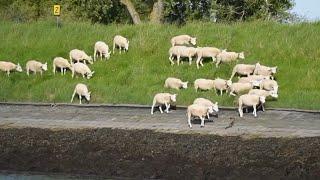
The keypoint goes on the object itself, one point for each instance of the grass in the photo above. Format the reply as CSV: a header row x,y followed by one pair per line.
x,y
136,76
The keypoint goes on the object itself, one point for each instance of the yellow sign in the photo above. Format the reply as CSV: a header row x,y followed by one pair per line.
x,y
56,10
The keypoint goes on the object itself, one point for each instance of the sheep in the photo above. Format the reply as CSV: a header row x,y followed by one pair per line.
x,y
9,66
252,78
269,85
265,70
248,100
199,111
182,51
36,66
207,103
243,69
203,84
82,69
101,49
163,98
79,55
236,88
120,42
183,40
206,52
61,63
81,90
225,57
175,83
221,85
264,93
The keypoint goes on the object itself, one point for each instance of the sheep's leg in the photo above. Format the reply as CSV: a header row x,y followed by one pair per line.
x,y
255,110
171,60
83,76
167,107
80,97
190,61
198,61
220,92
8,73
94,54
240,110
178,60
114,46
213,59
100,56
54,70
152,107
233,94
61,70
201,62
64,71
72,75
262,106
27,71
160,108
74,93
202,121
215,90
120,49
217,64
189,120
208,115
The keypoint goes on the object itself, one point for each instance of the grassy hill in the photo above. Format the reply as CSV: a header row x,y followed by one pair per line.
x,y
136,76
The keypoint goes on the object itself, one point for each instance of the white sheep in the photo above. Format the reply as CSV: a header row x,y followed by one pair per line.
x,y
9,66
183,40
261,92
181,52
36,66
226,57
198,111
63,64
221,85
243,69
101,49
120,42
265,70
175,83
163,98
81,90
269,85
203,84
248,100
237,88
79,55
253,78
82,69
206,52
207,103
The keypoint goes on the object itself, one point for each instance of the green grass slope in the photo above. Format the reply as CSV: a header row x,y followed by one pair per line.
x,y
134,77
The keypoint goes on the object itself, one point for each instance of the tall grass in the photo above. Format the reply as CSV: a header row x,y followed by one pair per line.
x,y
134,77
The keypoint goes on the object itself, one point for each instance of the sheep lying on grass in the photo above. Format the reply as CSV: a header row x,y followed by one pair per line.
x,y
81,90
226,57
175,83
101,49
9,66
82,69
35,67
198,111
181,52
163,98
120,42
207,103
79,55
248,100
61,63
183,40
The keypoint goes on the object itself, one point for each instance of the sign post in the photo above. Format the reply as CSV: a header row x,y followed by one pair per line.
x,y
56,12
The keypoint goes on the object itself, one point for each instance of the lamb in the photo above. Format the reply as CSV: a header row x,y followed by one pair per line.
x,y
79,55
175,83
121,42
269,85
183,40
206,52
248,100
163,98
221,85
81,90
203,84
82,69
237,88
207,103
264,93
253,78
243,69
36,66
101,49
9,66
199,111
265,70
225,57
61,63
182,51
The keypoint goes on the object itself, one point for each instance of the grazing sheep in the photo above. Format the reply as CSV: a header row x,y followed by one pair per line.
x,y
81,90
207,103
120,42
207,52
182,51
269,85
79,55
163,98
248,100
101,49
265,70
264,93
35,67
9,66
203,84
199,111
183,40
221,85
175,83
61,63
253,78
225,57
82,69
237,88
243,69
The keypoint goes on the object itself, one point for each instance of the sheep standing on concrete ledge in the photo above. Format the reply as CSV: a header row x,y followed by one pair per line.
x,y
163,98
198,111
226,57
183,40
264,93
79,55
175,83
248,100
61,63
81,90
120,42
35,67
207,103
101,49
9,66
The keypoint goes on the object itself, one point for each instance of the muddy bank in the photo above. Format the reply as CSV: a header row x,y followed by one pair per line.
x,y
149,154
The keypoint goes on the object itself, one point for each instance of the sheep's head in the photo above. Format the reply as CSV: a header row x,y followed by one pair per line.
x,y
173,97
89,59
273,94
210,109
44,66
126,46
229,83
18,68
108,55
185,85
215,107
275,89
193,41
262,99
273,70
88,96
89,75
241,55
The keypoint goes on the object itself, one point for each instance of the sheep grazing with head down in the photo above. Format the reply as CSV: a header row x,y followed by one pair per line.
x,y
206,52
36,66
79,55
181,52
120,42
226,57
248,100
163,98
82,69
9,66
183,40
196,110
175,83
81,90
243,70
101,49
61,63
269,85
265,70
207,103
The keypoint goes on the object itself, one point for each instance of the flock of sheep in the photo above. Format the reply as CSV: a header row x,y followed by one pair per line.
x,y
250,75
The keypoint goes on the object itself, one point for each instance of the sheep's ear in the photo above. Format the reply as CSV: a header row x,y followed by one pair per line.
x,y
89,93
92,72
46,63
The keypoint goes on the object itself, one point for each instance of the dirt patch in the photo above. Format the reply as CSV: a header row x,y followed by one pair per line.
x,y
150,154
